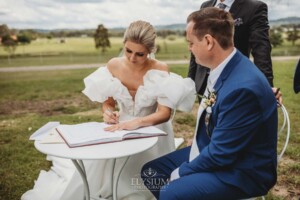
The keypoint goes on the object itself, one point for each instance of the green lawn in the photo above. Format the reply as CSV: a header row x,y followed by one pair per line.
x,y
30,99
81,50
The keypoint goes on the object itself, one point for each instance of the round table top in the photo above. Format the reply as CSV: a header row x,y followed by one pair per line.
x,y
99,151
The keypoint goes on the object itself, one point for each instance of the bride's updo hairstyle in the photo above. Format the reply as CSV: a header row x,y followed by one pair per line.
x,y
143,33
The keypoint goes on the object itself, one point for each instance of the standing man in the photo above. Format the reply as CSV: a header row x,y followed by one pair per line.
x,y
234,151
251,36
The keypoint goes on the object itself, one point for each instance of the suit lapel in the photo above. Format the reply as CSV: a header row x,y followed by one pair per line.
x,y
227,70
235,7
208,4
213,3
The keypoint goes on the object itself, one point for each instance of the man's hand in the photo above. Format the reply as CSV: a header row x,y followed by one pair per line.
x,y
278,95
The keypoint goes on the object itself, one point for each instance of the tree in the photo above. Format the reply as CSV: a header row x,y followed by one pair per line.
x,y
101,38
10,45
275,37
292,35
24,39
4,30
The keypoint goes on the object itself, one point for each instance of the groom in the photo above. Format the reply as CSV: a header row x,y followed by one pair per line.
x,y
233,155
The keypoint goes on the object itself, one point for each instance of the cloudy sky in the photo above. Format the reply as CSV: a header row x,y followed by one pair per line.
x,y
80,14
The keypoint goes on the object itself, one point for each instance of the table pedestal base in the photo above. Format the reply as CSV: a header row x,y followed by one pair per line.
x,y
80,167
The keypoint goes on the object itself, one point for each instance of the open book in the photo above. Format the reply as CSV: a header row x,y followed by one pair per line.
x,y
93,133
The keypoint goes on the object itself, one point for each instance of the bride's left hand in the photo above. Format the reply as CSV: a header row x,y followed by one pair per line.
x,y
128,125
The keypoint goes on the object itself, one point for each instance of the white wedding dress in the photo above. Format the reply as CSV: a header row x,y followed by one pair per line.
x,y
63,182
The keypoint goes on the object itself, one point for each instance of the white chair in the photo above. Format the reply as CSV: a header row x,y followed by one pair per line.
x,y
287,127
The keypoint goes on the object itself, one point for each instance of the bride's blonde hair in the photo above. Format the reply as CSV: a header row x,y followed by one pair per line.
x,y
141,32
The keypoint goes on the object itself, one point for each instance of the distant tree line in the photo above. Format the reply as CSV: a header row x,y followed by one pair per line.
x,y
11,38
289,32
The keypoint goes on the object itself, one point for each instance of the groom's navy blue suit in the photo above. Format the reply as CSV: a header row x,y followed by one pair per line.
x,y
240,159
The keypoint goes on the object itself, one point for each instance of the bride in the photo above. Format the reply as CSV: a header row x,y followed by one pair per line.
x,y
135,91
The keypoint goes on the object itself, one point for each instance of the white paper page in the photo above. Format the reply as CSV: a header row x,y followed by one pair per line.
x,y
93,132
142,132
81,133
42,132
52,137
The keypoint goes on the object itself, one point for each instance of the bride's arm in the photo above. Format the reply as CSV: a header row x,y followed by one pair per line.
x,y
162,114
110,116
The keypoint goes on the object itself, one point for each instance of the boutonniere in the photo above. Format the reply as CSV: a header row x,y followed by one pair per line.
x,y
208,102
238,21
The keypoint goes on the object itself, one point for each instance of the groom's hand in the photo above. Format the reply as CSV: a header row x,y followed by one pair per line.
x,y
278,95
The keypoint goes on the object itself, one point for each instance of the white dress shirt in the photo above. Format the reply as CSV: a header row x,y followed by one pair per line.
x,y
228,4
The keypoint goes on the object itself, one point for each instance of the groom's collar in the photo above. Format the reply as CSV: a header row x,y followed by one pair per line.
x,y
228,69
216,72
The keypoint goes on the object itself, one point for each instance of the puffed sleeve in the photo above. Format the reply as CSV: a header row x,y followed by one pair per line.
x,y
171,89
100,85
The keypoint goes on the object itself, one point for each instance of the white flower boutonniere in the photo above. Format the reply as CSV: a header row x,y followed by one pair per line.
x,y
238,22
208,102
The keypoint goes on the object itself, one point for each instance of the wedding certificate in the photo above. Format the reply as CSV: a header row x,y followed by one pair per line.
x,y
93,133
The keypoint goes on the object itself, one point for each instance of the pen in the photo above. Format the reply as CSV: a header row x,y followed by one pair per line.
x,y
277,90
113,114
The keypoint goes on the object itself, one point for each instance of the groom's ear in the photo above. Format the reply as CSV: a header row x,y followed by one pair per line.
x,y
209,42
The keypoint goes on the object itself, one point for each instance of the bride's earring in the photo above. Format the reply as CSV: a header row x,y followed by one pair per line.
x,y
121,52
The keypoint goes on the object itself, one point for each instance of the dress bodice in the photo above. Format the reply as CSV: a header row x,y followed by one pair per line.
x,y
158,86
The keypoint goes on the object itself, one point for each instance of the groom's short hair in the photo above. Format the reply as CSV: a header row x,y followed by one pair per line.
x,y
214,21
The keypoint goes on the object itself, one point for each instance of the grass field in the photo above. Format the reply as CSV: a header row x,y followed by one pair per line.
x,y
81,50
30,99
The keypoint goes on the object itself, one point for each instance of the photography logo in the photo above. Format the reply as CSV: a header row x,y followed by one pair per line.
x,y
149,172
152,178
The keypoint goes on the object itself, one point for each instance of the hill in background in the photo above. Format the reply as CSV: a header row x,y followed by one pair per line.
x,y
172,27
285,21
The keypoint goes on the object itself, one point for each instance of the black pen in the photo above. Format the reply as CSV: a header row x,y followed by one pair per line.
x,y
113,114
277,90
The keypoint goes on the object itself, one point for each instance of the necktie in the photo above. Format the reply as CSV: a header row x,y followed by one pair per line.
x,y
222,6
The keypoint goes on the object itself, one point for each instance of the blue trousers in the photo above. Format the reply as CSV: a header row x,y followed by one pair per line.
x,y
207,185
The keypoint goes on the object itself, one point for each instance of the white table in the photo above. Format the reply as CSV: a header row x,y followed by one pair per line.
x,y
97,152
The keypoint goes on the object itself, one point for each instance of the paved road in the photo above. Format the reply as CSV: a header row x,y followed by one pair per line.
x,y
66,67
96,65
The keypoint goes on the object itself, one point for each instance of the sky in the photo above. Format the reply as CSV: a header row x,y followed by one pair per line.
x,y
82,14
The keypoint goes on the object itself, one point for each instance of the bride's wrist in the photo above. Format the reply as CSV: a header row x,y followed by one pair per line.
x,y
142,122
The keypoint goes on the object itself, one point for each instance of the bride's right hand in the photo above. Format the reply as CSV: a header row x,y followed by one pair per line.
x,y
111,117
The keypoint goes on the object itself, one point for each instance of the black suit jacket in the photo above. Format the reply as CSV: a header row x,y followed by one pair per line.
x,y
251,36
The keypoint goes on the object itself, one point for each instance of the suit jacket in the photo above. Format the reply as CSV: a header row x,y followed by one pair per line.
x,y
241,150
251,36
